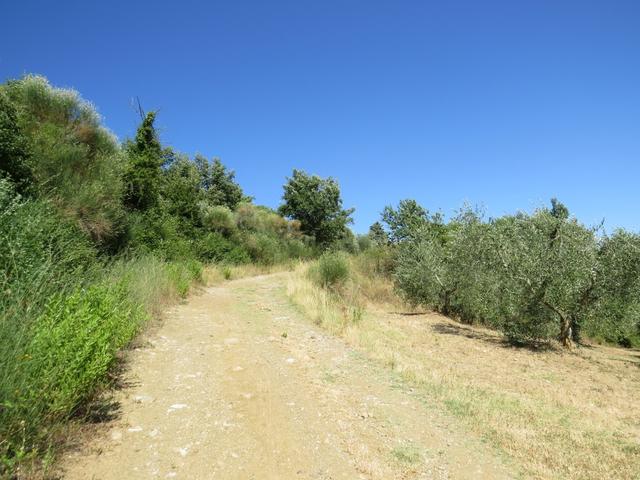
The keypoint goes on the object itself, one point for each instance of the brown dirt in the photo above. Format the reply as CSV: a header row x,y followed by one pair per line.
x,y
236,384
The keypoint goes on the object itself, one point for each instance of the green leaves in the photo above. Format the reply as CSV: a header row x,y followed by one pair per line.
x,y
536,277
316,203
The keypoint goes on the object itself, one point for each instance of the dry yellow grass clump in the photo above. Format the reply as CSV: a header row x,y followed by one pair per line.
x,y
555,413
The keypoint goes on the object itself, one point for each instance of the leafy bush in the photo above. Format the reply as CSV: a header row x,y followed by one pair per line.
x,y
15,149
72,345
55,362
73,159
332,270
265,249
40,253
218,219
214,247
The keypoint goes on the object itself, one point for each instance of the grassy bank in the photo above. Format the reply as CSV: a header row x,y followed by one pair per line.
x,y
56,358
555,414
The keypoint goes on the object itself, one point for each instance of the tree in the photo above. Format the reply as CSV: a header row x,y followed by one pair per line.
x,y
143,176
14,146
612,306
440,267
219,183
378,235
408,220
316,203
423,273
182,192
546,267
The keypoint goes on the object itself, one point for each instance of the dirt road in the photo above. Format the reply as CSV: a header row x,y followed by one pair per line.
x,y
236,384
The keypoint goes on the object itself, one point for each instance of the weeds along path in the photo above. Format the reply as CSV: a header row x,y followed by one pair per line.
x,y
236,384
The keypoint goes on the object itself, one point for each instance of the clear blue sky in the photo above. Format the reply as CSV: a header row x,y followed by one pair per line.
x,y
501,103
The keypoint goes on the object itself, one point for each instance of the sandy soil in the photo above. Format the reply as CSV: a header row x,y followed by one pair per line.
x,y
236,384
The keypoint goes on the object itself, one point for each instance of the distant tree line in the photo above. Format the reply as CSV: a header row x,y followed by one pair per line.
x,y
142,196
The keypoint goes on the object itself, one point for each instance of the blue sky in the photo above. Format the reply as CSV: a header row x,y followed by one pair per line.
x,y
498,103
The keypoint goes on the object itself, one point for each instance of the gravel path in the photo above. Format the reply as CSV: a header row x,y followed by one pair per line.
x,y
236,384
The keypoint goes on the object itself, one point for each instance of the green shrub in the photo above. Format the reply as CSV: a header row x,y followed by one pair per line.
x,y
184,274
227,273
71,347
298,249
265,249
364,243
15,148
73,159
213,247
218,219
40,253
331,270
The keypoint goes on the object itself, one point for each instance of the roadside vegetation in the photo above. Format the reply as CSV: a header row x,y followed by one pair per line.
x,y
525,327
552,412
537,277
495,319
97,236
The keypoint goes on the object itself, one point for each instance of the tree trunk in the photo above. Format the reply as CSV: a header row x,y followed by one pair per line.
x,y
565,331
446,301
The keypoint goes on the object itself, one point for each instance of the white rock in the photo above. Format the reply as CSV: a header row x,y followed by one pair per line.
x,y
176,406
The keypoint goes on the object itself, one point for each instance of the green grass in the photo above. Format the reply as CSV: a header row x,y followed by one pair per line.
x,y
408,454
60,359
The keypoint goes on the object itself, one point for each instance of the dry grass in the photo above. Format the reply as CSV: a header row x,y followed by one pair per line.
x,y
215,274
556,414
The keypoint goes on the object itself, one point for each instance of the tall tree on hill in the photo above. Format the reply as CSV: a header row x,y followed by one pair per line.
x,y
143,176
316,203
405,221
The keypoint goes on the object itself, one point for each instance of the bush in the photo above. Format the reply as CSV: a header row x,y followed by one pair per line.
x,y
55,362
73,159
40,253
213,247
265,249
331,270
72,346
218,219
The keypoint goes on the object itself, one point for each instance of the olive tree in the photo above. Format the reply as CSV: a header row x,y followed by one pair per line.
x,y
546,266
443,268
612,304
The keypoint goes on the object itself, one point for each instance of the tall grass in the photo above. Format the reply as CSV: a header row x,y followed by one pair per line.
x,y
553,414
56,357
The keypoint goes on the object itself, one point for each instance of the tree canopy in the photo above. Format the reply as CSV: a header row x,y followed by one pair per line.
x,y
316,203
